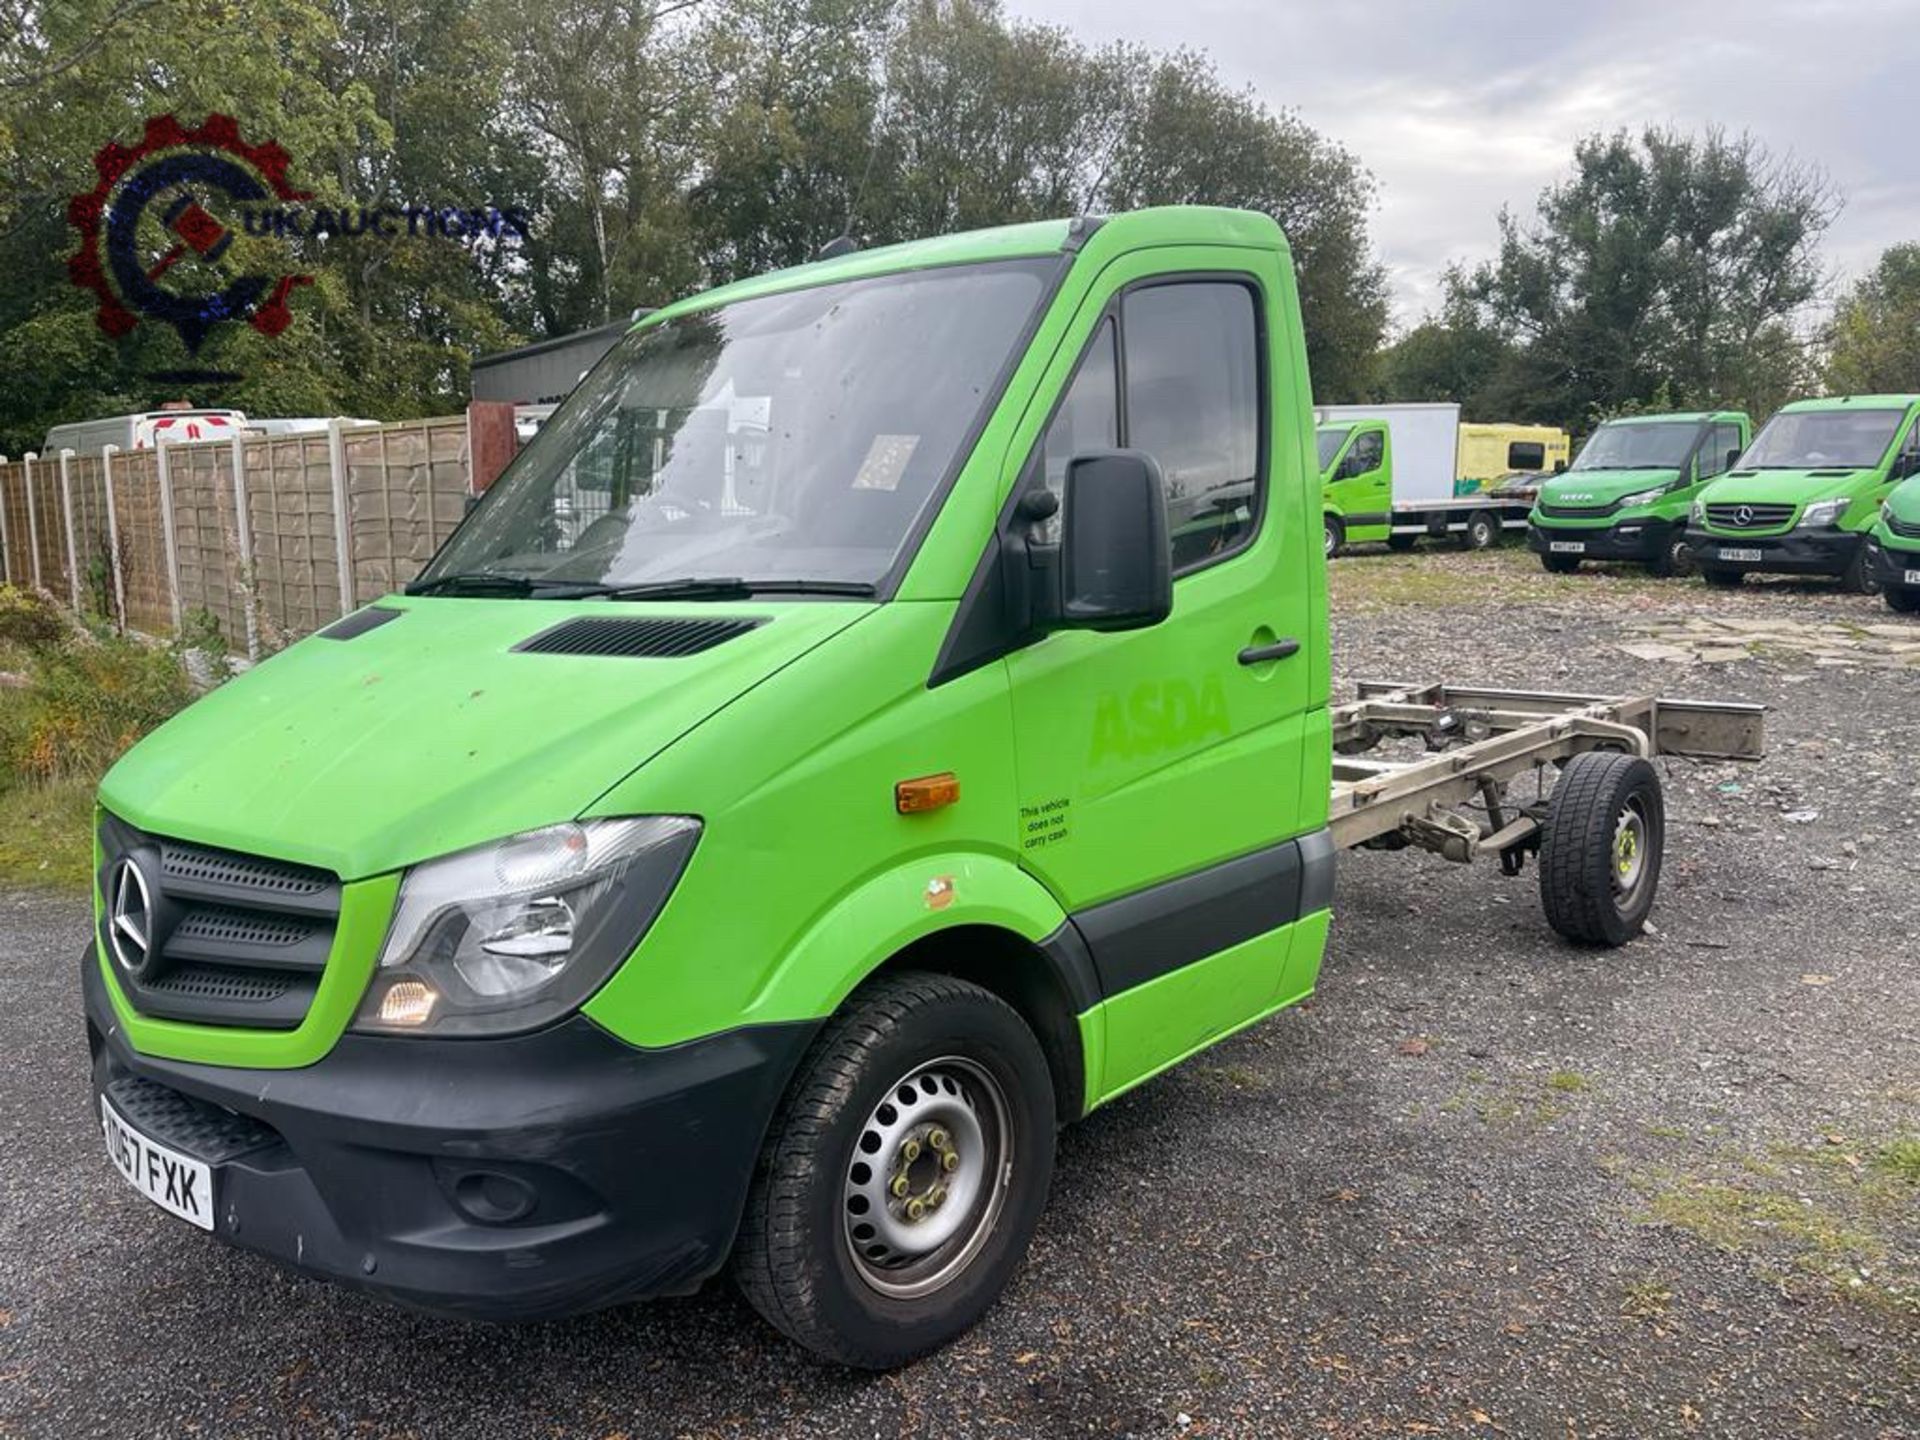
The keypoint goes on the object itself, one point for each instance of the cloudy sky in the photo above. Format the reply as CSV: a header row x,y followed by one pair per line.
x,y
1459,108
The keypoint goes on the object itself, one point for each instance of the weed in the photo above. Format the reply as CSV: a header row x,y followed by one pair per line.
x,y
1568,1082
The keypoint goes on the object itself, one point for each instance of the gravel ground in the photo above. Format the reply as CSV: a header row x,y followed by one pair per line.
x,y
1482,1184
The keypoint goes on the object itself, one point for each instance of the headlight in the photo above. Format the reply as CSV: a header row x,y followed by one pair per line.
x,y
1642,497
1886,513
1699,512
1823,512
511,935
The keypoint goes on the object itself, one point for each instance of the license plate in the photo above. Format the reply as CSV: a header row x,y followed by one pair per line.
x,y
1750,557
1567,547
1913,577
176,1183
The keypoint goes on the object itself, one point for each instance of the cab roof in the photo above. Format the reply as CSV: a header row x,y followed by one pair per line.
x,y
1677,417
1136,229
1851,402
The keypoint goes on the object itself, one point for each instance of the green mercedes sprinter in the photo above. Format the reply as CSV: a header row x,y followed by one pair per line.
x,y
1356,482
1628,494
814,771
1805,493
1893,548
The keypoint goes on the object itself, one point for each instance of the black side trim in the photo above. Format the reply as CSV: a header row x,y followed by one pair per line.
x,y
1153,932
1319,864
1383,517
1066,949
359,622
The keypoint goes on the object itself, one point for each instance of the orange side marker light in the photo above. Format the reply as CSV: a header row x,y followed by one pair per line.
x,y
928,792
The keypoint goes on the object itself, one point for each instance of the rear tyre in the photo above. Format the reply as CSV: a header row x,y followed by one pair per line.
x,y
1600,851
903,1175
1722,579
1903,598
1336,536
1483,530
1857,578
1402,543
1560,564
1674,560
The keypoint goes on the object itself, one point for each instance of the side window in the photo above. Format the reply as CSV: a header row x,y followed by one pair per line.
x,y
1722,442
1193,403
1526,455
1089,413
1364,457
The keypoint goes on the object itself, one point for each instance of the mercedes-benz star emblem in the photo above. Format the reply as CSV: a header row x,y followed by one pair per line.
x,y
1743,516
130,921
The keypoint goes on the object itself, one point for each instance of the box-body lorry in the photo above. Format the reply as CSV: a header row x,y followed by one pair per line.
x,y
1807,490
1389,472
1630,491
883,715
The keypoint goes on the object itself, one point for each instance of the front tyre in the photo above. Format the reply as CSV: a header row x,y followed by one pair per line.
x,y
1559,564
1904,598
1601,848
1674,561
1483,530
1722,579
1336,536
1857,578
903,1175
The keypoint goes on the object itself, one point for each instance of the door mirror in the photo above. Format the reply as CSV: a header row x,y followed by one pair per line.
x,y
1904,464
1733,459
1116,563
1559,467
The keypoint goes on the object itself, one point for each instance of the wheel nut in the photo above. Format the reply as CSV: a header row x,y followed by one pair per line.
x,y
899,1187
950,1161
937,1138
916,1208
934,1199
910,1151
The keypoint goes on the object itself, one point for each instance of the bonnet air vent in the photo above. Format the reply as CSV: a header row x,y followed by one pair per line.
x,y
657,637
359,622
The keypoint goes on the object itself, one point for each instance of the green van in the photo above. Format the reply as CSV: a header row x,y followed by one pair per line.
x,y
816,769
1356,474
1805,493
1893,548
1628,493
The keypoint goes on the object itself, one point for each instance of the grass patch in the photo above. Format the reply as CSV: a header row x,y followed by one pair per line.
x,y
1441,577
1568,1082
1901,1160
46,834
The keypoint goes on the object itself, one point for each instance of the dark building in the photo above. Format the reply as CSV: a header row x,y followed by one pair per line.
x,y
543,373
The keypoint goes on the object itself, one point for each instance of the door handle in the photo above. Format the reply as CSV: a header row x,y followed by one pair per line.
x,y
1260,654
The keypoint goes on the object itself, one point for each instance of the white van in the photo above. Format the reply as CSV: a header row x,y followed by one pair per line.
x,y
144,430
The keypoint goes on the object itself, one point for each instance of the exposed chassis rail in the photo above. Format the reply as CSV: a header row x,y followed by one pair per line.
x,y
1480,741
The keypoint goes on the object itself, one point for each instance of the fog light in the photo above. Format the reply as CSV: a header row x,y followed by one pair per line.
x,y
408,1003
493,1198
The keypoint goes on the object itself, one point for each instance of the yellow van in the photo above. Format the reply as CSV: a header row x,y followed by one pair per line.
x,y
1488,452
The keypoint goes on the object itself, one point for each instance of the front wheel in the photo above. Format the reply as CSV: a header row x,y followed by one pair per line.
x,y
904,1175
1601,848
1904,598
1336,536
1674,560
1857,578
1721,579
1560,564
1483,530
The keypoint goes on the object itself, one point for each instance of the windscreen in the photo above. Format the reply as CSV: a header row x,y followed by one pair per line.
x,y
1639,445
1823,440
1330,443
795,436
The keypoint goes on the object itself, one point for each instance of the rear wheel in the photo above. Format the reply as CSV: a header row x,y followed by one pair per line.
x,y
1721,578
904,1174
1402,543
1336,536
1601,848
1483,530
1675,558
1857,578
1904,598
1560,564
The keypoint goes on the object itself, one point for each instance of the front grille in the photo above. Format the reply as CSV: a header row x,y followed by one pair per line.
x,y
1734,516
1905,529
1577,512
217,937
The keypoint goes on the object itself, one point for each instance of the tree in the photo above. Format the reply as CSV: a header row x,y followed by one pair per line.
x,y
1675,260
1873,341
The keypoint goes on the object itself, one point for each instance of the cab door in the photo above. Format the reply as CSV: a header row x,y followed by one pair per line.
x,y
1161,770
1363,482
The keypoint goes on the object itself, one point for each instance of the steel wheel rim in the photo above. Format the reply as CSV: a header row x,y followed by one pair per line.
x,y
1327,532
1628,859
928,1179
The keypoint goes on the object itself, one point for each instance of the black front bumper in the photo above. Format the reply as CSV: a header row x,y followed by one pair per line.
x,y
1891,567
523,1178
1638,540
1798,552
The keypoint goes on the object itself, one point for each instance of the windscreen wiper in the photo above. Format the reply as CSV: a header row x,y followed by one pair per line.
x,y
729,588
473,582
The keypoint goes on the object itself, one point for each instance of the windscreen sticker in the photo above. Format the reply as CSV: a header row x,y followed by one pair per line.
x,y
886,462
1044,824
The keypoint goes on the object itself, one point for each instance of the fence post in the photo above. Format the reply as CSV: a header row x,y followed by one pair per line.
x,y
6,540
33,520
342,523
165,472
107,452
73,553
243,525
